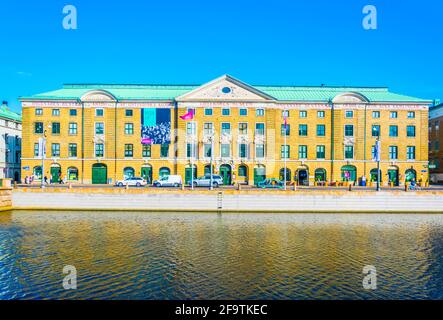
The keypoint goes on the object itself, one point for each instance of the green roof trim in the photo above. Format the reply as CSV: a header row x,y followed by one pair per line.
x,y
6,113
171,92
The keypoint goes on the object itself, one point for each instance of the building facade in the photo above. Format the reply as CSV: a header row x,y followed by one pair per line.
x,y
10,143
103,133
435,140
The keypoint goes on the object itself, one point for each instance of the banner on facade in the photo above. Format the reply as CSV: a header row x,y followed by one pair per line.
x,y
156,126
42,148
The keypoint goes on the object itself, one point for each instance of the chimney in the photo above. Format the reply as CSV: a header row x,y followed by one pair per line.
x,y
4,103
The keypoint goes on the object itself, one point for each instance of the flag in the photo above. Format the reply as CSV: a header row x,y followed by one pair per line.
x,y
147,141
188,116
286,120
377,151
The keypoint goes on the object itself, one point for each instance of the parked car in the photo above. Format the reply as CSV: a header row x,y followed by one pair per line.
x,y
134,181
206,181
168,181
271,183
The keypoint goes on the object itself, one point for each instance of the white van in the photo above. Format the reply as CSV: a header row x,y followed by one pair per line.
x,y
168,181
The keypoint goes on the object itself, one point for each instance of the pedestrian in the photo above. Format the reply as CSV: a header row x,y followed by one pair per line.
x,y
26,180
45,180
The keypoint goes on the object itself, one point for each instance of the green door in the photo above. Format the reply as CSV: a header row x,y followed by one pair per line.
x,y
259,175
225,173
99,174
147,174
188,175
55,173
393,177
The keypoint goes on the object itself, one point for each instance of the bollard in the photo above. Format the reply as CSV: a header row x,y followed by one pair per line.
x,y
70,186
15,184
295,187
238,186
350,187
127,187
183,186
406,187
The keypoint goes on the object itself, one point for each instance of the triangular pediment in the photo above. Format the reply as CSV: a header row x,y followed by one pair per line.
x,y
225,88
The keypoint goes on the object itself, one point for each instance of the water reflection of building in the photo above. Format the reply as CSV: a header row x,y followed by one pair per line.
x,y
95,132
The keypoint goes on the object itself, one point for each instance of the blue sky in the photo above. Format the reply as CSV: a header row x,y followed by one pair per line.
x,y
293,42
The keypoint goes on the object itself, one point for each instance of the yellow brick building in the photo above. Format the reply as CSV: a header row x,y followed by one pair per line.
x,y
99,133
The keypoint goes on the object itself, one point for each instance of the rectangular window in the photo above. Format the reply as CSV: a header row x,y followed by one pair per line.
x,y
260,129
411,114
349,114
285,154
164,151
129,128
207,150
243,150
72,112
393,131
260,112
349,130
260,151
72,150
303,114
243,128
225,150
243,112
56,112
207,128
146,151
393,152
226,112
373,152
72,128
38,127
393,115
410,131
320,114
375,130
302,152
99,150
55,148
285,113
190,128
38,112
410,152
55,128
191,149
375,114
321,130
349,152
129,150
321,153
99,128
303,130
208,111
285,131
129,112
226,128
99,112
35,149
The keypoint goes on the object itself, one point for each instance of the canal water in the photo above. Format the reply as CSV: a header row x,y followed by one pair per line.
x,y
219,256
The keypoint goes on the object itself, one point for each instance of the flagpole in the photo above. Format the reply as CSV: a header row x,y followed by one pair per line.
x,y
192,155
285,119
378,162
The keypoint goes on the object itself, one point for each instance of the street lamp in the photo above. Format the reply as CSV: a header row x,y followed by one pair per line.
x,y
211,182
376,132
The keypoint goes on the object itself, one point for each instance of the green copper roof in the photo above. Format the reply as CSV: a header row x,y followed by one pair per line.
x,y
8,114
170,92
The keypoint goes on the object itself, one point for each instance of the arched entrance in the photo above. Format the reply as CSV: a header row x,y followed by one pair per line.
x,y
99,173
146,173
226,174
16,176
393,176
259,174
37,173
373,174
410,175
302,177
56,173
72,174
189,172
282,174
320,175
243,174
128,172
349,173
164,172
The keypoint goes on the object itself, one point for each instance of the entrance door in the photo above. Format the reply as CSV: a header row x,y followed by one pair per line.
x,y
188,175
393,177
225,172
303,178
99,174
147,174
259,175
55,173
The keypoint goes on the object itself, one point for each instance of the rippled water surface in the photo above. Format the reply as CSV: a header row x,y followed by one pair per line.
x,y
210,256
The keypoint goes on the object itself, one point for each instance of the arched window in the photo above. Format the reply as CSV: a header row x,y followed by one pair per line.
x,y
349,173
410,175
320,175
374,175
128,173
37,172
242,171
164,172
282,174
72,174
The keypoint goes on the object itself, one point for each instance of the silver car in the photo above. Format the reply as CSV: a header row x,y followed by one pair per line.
x,y
206,181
